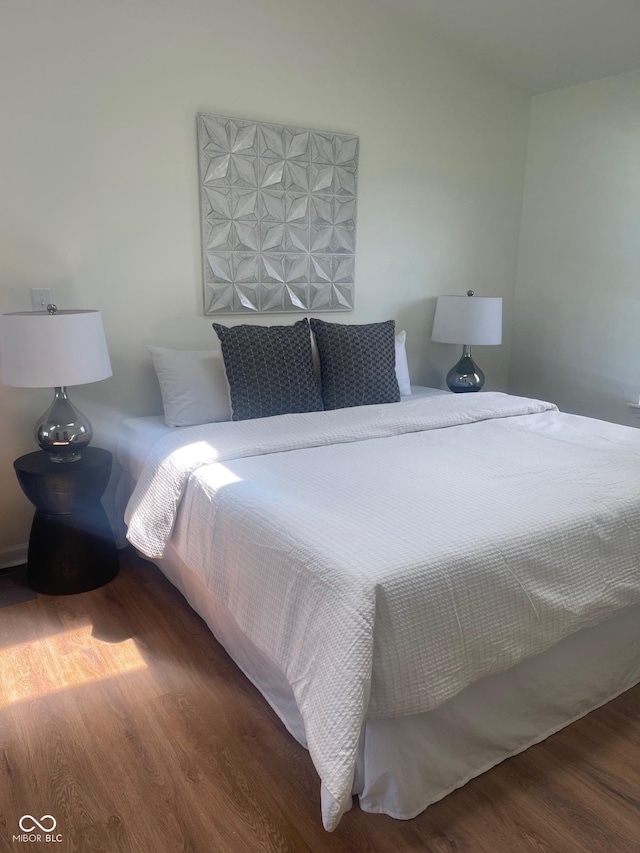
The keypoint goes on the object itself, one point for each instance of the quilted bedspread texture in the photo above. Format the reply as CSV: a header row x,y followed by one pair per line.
x,y
386,557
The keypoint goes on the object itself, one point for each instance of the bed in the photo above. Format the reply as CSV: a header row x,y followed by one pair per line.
x,y
419,589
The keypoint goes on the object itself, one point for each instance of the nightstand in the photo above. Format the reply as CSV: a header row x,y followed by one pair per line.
x,y
71,546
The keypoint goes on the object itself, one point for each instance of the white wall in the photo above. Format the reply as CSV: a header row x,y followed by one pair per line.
x,y
575,337
99,180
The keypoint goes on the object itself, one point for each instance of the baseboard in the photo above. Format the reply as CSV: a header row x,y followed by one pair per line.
x,y
14,555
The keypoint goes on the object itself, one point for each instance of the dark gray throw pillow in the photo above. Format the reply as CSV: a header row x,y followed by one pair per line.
x,y
269,370
357,363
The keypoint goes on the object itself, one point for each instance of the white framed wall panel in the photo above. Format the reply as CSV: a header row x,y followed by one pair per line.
x,y
278,214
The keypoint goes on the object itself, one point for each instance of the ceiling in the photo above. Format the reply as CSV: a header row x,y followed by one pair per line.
x,y
540,45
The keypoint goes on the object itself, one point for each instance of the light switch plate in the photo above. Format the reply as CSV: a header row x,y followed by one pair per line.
x,y
40,298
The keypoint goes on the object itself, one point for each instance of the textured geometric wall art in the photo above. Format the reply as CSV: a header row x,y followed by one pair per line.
x,y
278,212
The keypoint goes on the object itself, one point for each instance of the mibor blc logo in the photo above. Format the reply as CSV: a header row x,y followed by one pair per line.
x,y
38,829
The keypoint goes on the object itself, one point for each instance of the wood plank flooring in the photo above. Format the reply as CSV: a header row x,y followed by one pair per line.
x,y
123,718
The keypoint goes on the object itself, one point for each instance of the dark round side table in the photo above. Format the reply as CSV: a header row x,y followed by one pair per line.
x,y
71,546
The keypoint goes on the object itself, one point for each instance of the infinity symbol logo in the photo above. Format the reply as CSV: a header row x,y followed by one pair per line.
x,y
38,823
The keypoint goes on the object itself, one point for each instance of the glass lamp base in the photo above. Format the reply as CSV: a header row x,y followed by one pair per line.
x,y
64,457
63,432
465,376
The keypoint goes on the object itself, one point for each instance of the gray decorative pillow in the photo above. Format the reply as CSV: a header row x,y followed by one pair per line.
x,y
357,363
269,370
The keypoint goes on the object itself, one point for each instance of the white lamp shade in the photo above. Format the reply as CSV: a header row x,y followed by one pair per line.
x,y
41,350
468,320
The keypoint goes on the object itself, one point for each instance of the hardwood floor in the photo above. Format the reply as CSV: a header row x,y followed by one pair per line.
x,y
123,718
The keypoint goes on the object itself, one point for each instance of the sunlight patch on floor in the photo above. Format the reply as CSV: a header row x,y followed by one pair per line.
x,y
61,661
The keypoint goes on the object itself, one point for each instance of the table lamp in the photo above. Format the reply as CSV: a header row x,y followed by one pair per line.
x,y
55,349
467,320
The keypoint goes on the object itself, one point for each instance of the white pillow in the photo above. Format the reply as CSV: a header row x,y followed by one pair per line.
x,y
402,368
193,385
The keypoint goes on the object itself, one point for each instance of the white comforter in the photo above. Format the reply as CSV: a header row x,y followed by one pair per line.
x,y
386,557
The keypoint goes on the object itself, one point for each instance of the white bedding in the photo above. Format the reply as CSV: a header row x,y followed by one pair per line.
x,y
482,529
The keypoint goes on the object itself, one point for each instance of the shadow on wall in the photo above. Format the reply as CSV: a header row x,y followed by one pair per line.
x,y
428,361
